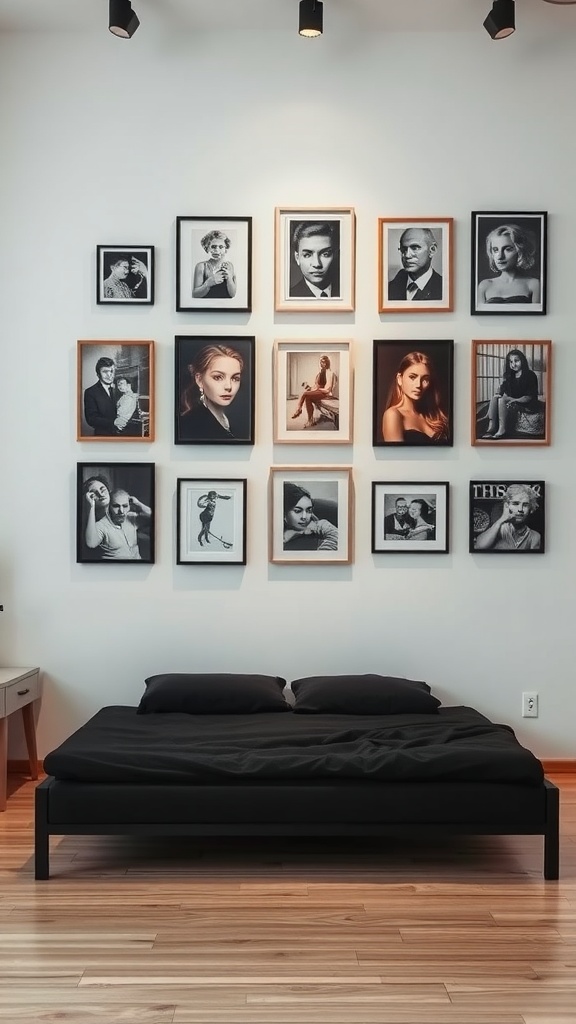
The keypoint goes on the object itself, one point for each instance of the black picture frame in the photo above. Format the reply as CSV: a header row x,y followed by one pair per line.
x,y
490,501
195,265
392,362
411,517
194,423
211,521
137,481
518,272
119,285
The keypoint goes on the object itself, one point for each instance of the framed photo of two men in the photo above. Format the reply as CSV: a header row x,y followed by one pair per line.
x,y
415,264
115,391
115,512
409,517
509,257
315,259
412,400
214,264
511,393
125,275
507,517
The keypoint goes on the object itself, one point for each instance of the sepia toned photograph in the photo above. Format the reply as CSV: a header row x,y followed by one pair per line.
x,y
415,260
115,391
509,256
412,398
211,521
507,517
312,392
511,391
214,389
115,512
409,517
310,514
315,259
214,264
125,275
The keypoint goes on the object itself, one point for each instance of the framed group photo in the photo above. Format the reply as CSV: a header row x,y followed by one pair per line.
x,y
211,521
115,391
315,259
115,512
509,256
412,397
214,264
214,389
125,275
415,264
310,515
312,392
511,393
410,517
507,517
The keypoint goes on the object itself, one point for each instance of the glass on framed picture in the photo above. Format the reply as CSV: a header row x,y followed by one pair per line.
x,y
507,517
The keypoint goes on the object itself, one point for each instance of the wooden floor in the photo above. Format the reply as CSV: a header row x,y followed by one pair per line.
x,y
278,931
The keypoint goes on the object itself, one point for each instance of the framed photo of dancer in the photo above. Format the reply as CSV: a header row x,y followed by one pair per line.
x,y
214,389
125,275
511,393
115,391
214,264
415,265
312,392
507,517
509,257
412,397
211,521
315,259
115,512
310,516
409,517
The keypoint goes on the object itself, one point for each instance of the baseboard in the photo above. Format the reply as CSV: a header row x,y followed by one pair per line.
x,y
22,767
561,765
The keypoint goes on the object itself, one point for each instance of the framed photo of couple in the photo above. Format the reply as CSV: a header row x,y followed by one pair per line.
x,y
509,258
214,264
312,392
115,512
409,517
412,400
511,393
125,275
507,517
310,515
115,391
211,521
415,264
315,259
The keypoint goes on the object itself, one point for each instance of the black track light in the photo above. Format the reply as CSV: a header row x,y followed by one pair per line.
x,y
311,18
501,21
123,22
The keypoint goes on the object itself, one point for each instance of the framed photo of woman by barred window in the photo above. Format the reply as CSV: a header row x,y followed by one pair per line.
x,y
125,275
415,264
409,517
115,391
312,392
214,264
315,256
511,393
507,517
211,521
310,516
509,258
412,402
115,512
214,389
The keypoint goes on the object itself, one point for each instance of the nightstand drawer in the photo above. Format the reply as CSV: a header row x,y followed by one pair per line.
x,y
18,694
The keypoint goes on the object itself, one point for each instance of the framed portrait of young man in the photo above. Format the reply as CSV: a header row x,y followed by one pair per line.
x,y
214,264
410,517
115,512
315,259
211,521
310,515
511,392
415,264
412,398
125,275
509,261
312,392
214,389
507,517
115,391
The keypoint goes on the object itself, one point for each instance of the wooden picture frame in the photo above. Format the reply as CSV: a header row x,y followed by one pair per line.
x,y
412,395
317,529
415,264
507,517
313,392
214,264
315,259
125,275
115,512
211,521
115,391
509,264
511,393
214,384
410,517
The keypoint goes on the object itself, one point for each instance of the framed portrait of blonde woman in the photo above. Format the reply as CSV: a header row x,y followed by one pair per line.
x,y
311,515
415,264
509,258
214,264
511,393
312,392
315,259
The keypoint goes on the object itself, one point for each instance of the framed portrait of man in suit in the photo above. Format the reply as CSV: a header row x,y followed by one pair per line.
x,y
315,259
415,265
115,391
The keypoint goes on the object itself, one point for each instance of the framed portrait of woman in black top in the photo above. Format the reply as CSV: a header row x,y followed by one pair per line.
x,y
511,393
214,264
214,390
509,256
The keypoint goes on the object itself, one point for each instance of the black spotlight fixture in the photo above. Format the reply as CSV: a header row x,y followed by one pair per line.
x,y
501,21
123,21
311,18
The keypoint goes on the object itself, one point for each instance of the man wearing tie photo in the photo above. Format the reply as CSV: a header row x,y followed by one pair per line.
x,y
100,399
417,281
316,251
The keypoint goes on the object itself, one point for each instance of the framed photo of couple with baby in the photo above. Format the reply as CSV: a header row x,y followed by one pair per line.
x,y
115,391
214,264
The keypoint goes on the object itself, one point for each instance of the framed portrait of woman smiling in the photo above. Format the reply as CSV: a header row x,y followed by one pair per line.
x,y
413,393
214,390
509,256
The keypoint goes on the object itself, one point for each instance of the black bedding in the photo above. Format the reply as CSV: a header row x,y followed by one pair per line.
x,y
456,745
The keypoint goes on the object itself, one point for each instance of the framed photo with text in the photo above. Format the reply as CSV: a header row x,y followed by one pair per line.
x,y
115,512
312,392
214,264
310,515
415,261
315,259
507,517
509,259
125,275
412,397
211,521
214,389
115,391
511,391
410,517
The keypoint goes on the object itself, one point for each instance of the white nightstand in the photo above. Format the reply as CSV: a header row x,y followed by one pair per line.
x,y
19,688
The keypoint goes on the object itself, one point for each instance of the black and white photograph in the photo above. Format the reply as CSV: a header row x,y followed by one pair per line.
x,y
312,392
511,391
315,259
211,521
115,391
310,515
214,264
415,260
214,389
507,517
410,517
115,513
509,254
412,398
125,275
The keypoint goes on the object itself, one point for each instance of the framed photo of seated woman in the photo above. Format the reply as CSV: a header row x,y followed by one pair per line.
x,y
511,389
310,515
412,403
214,389
312,392
409,517
509,258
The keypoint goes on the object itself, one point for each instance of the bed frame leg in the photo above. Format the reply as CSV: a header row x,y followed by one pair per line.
x,y
552,833
41,834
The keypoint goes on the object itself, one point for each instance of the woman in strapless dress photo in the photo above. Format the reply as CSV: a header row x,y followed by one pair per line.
x,y
415,412
511,252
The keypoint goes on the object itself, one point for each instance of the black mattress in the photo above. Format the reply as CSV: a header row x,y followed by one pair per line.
x,y
454,746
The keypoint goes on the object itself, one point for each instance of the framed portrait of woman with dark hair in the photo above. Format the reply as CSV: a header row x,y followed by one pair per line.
x,y
509,258
214,390
412,401
311,513
511,393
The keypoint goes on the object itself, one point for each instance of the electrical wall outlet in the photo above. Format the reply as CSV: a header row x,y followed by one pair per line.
x,y
530,704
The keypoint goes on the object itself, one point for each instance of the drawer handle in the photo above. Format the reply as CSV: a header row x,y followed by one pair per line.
x,y
22,693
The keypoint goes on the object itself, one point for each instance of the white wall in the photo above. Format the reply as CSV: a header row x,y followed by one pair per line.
x,y
107,142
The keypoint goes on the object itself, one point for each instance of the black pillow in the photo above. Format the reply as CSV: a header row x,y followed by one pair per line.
x,y
226,693
362,695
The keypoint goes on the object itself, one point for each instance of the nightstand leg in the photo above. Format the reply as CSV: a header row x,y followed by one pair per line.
x,y
3,761
30,734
